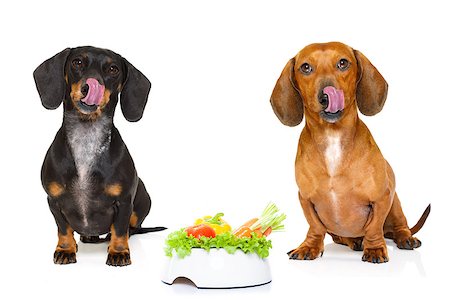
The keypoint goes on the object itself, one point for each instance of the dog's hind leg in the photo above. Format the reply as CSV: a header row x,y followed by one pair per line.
x,y
396,227
141,207
355,244
94,239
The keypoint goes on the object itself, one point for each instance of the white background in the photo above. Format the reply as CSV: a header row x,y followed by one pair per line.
x,y
210,142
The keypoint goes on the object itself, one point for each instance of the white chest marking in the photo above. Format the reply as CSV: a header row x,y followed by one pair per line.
x,y
334,204
333,153
87,142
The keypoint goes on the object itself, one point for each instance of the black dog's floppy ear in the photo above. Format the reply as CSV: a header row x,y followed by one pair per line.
x,y
286,100
371,88
49,79
134,95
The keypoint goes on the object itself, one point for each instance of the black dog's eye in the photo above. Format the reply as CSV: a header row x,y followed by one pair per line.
x,y
343,64
77,63
306,69
113,70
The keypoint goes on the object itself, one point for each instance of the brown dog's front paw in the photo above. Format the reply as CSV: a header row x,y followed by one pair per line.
x,y
119,259
305,253
61,257
408,243
376,256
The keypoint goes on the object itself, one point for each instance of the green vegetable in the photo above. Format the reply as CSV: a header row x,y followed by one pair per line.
x,y
183,244
270,218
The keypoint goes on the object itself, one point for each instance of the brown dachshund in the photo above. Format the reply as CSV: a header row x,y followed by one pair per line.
x,y
346,187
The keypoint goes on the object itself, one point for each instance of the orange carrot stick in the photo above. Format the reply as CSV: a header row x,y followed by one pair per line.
x,y
250,222
258,232
268,231
243,231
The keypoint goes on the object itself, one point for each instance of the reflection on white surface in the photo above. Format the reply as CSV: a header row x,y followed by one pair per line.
x,y
340,260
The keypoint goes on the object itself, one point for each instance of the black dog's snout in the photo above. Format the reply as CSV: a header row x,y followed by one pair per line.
x,y
323,99
84,89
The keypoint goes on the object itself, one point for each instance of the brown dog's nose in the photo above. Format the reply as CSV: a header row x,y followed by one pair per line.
x,y
323,100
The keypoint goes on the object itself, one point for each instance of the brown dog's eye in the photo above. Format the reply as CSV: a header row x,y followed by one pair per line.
x,y
113,70
343,64
306,69
77,63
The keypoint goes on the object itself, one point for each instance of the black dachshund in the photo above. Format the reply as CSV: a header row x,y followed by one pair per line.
x,y
88,173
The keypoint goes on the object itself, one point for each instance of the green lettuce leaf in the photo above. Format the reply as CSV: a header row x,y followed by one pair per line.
x,y
183,244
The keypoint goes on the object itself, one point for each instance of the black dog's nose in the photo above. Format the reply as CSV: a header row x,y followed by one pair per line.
x,y
324,100
84,89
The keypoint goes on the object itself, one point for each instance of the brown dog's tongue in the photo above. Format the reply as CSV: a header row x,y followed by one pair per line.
x,y
335,99
95,92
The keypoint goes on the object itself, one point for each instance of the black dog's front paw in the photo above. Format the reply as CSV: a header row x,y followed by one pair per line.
x,y
119,259
61,257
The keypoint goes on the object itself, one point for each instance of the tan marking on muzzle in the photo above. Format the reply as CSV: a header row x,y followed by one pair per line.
x,y
113,190
55,189
75,91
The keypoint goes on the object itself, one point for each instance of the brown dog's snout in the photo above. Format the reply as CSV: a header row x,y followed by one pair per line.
x,y
323,99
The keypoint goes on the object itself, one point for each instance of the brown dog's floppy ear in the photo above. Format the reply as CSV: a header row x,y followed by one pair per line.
x,y
286,100
134,95
49,79
371,88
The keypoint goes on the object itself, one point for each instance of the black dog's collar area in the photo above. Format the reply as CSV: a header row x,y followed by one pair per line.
x,y
85,108
331,117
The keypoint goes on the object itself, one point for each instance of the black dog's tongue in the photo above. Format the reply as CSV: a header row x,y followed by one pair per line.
x,y
95,92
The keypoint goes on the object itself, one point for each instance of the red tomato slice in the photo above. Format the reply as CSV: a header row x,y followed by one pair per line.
x,y
201,230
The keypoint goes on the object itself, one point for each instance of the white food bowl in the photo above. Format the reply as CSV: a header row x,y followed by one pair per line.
x,y
218,269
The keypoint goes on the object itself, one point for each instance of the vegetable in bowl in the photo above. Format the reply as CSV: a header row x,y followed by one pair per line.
x,y
182,243
209,233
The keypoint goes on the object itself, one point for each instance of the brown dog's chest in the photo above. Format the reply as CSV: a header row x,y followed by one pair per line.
x,y
339,180
342,212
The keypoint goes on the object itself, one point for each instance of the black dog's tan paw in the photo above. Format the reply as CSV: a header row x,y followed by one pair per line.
x,y
408,243
376,256
61,257
118,259
305,253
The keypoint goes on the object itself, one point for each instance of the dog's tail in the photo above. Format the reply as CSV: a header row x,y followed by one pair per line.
x,y
141,230
96,239
421,221
415,228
